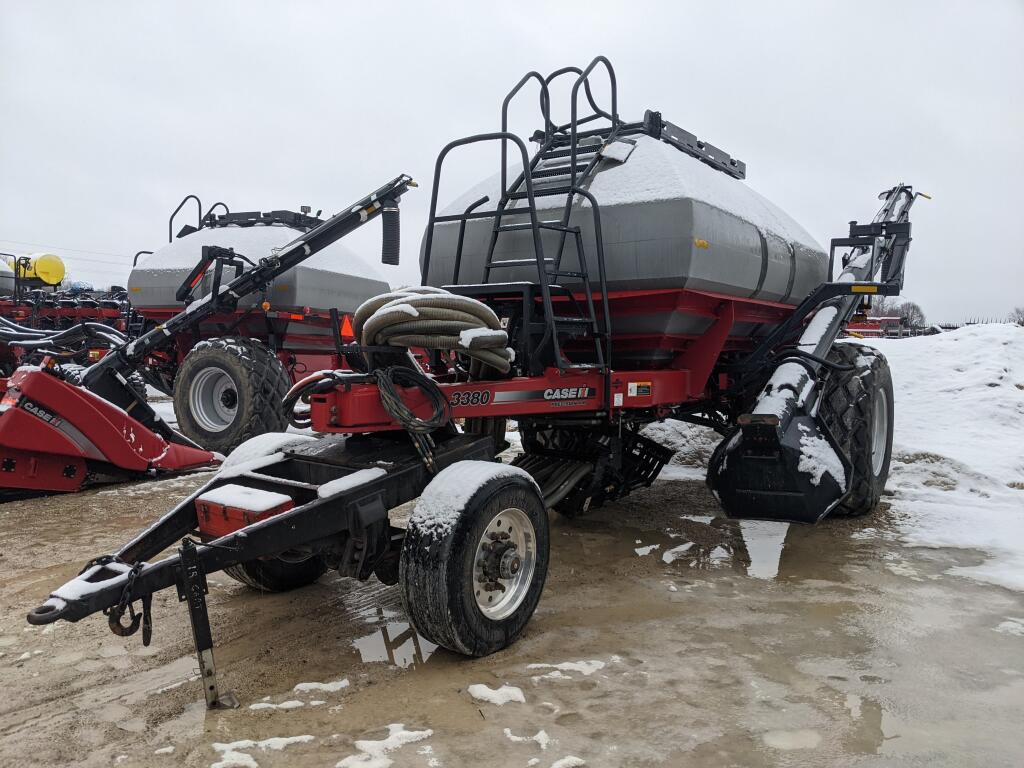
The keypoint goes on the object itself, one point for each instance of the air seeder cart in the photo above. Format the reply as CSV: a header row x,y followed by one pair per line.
x,y
229,372
631,297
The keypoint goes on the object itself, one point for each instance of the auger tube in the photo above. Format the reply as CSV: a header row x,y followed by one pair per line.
x,y
755,472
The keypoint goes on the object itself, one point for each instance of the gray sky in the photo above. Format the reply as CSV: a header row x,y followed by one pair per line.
x,y
112,112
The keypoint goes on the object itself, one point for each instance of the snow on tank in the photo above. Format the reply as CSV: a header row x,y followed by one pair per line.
x,y
335,277
669,221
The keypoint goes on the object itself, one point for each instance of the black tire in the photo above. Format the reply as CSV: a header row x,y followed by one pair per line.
x,y
73,373
438,575
277,575
853,404
254,385
136,382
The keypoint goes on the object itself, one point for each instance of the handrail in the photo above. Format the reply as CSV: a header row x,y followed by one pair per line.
x,y
462,236
598,112
135,261
602,277
209,211
545,108
538,246
614,117
170,221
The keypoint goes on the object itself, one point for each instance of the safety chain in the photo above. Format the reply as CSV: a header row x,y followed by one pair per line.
x,y
115,613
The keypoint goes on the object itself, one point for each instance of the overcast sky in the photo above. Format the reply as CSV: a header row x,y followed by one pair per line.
x,y
111,112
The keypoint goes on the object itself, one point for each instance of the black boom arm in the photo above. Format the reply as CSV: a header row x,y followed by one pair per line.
x,y
107,377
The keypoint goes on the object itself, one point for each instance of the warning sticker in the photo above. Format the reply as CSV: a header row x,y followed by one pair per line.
x,y
639,389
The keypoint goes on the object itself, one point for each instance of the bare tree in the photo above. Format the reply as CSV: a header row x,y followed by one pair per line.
x,y
1016,316
883,306
912,314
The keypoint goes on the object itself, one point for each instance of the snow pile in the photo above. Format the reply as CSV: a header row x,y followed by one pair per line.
x,y
334,687
541,737
692,444
569,761
818,459
373,754
264,445
500,696
348,482
243,497
232,756
958,448
481,338
585,668
291,704
442,502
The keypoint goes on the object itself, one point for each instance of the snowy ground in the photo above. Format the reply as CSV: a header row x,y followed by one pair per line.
x,y
958,454
666,636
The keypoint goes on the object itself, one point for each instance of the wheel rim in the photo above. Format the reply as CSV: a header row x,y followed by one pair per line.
x,y
213,399
879,432
505,559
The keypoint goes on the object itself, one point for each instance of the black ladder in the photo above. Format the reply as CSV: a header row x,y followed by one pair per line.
x,y
566,159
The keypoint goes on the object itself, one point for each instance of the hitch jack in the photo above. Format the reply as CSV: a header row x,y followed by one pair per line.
x,y
192,588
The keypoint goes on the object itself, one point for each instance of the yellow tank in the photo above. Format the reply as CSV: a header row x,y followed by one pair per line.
x,y
46,268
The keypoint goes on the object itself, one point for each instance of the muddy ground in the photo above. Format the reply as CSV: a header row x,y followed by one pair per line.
x,y
726,644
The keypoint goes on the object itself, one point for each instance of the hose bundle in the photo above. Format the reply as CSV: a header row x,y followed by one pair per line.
x,y
433,318
61,342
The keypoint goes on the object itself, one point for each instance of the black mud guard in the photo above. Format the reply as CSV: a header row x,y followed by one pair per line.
x,y
755,472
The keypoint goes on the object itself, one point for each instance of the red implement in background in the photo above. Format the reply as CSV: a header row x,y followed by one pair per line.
x,y
55,436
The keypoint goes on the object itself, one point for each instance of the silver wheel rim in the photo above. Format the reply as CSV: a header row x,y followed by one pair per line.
x,y
879,432
511,540
213,399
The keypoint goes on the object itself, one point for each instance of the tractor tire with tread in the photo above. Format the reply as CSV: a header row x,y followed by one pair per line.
x,y
73,373
857,408
228,390
439,576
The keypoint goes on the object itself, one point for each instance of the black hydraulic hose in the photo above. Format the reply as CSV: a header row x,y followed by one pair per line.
x,y
74,335
418,429
314,384
388,379
794,352
391,236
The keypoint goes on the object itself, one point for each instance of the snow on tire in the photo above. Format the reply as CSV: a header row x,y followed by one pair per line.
x,y
228,390
475,557
857,408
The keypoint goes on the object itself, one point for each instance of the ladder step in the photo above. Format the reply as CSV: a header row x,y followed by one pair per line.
x,y
528,225
563,273
517,263
582,149
573,320
561,170
550,192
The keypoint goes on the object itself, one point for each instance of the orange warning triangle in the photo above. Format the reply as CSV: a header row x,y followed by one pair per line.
x,y
347,332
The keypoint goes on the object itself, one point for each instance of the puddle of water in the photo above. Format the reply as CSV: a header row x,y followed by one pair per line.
x,y
765,540
751,547
395,643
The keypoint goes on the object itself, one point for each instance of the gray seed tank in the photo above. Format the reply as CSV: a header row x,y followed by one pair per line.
x,y
336,277
669,221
